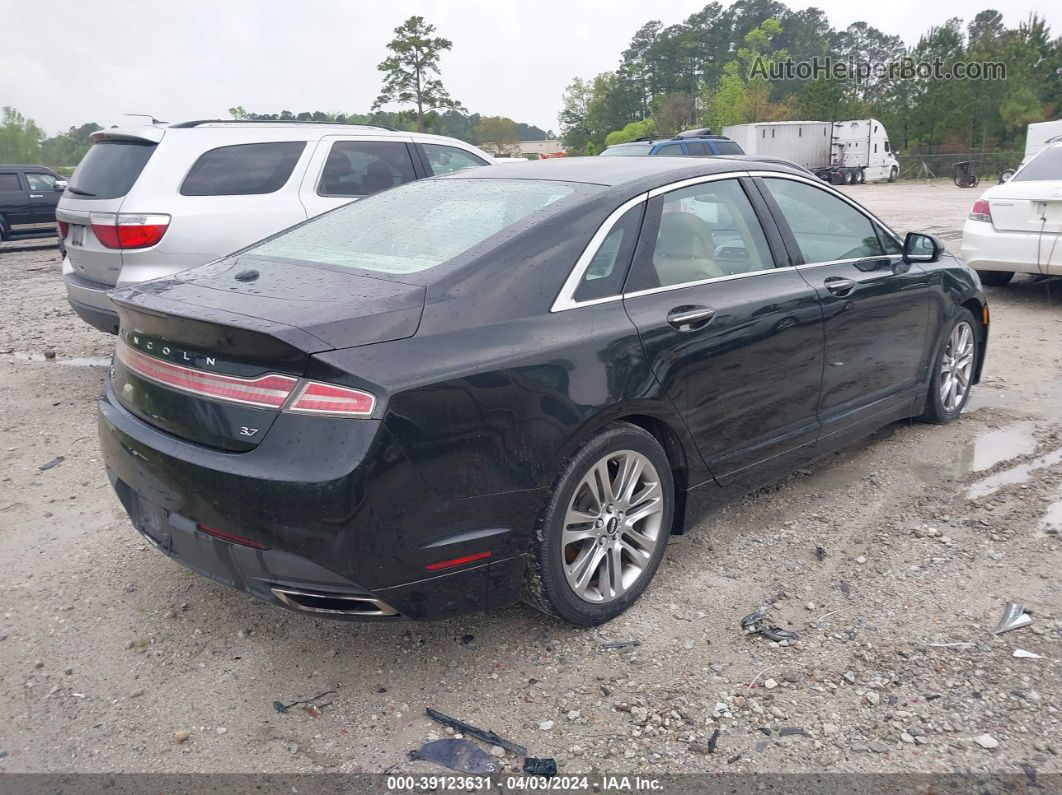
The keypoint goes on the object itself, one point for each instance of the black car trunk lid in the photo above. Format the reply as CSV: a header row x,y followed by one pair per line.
x,y
212,354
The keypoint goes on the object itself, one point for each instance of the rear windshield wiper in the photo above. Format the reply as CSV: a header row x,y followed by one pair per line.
x,y
78,191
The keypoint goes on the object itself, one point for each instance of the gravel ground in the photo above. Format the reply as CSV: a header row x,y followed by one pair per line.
x,y
113,658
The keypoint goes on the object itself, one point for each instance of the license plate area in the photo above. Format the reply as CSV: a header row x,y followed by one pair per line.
x,y
77,235
152,522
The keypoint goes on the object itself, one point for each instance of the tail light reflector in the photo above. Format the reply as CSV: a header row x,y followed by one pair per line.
x,y
318,398
449,564
981,211
129,230
267,391
232,538
64,227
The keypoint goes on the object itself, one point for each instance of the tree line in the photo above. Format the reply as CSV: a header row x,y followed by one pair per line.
x,y
707,71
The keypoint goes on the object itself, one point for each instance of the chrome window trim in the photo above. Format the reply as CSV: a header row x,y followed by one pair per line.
x,y
827,188
566,297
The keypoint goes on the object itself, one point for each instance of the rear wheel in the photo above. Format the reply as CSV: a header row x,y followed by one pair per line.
x,y
996,278
846,177
3,229
949,388
604,530
860,176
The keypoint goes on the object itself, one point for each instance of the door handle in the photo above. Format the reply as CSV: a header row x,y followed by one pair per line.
x,y
839,285
36,195
690,318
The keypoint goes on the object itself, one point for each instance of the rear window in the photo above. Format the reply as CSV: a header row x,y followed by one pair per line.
x,y
243,169
1046,165
627,149
9,182
109,169
417,226
727,148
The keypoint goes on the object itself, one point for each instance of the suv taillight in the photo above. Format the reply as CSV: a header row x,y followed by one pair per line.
x,y
64,227
129,230
981,211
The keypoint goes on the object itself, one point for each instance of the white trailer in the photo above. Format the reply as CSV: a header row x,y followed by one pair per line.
x,y
842,152
1037,135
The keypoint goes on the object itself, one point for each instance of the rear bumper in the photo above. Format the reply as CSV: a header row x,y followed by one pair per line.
x,y
89,300
985,248
347,516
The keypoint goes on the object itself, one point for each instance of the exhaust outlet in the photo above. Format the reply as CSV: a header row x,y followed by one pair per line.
x,y
332,603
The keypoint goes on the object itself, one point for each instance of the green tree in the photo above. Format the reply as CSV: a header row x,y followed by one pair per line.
x,y
65,150
631,132
412,70
574,117
497,133
673,113
20,138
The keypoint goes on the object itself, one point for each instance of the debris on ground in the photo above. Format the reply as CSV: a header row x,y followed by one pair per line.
x,y
622,645
181,736
757,623
485,735
52,464
1014,617
820,554
752,619
987,741
460,755
545,766
306,703
713,741
1028,655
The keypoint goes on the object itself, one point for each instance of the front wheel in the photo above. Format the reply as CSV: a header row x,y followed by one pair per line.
x,y
893,174
604,530
953,372
995,278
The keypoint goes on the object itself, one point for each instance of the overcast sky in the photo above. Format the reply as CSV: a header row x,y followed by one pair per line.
x,y
66,62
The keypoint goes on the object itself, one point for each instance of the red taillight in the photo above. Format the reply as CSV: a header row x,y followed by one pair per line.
x,y
128,230
449,564
232,538
64,227
981,211
266,391
317,398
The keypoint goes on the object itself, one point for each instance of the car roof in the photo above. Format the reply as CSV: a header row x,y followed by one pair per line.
x,y
615,171
29,166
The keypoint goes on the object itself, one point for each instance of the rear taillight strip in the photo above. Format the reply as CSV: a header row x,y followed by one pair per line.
x,y
266,391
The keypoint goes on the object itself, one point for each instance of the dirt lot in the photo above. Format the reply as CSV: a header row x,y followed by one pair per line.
x,y
109,652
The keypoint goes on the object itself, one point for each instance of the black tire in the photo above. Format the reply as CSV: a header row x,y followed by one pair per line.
x,y
3,229
846,177
545,585
996,278
1006,174
860,176
893,174
935,411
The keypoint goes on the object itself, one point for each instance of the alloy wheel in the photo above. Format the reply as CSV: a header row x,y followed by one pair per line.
x,y
612,526
956,368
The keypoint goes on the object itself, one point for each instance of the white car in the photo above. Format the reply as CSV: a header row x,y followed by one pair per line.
x,y
151,201
1016,227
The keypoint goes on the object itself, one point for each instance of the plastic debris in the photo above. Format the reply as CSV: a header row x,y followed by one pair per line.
x,y
1028,655
460,755
733,759
752,619
820,554
713,741
52,464
540,767
1014,617
757,623
485,735
622,645
281,707
790,731
778,634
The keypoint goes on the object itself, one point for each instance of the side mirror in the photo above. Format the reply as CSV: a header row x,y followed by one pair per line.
x,y
60,185
918,247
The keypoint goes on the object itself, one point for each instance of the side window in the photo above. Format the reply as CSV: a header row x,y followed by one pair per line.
x,y
670,150
243,170
888,242
727,148
448,159
608,268
697,149
705,231
361,168
825,227
9,182
886,146
43,182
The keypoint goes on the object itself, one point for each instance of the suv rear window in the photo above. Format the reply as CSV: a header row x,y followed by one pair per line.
x,y
727,148
109,169
243,169
1046,165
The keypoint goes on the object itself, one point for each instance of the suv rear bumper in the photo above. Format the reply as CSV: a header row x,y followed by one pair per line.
x,y
89,300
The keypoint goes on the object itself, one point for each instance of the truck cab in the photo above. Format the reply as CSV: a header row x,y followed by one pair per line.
x,y
862,152
28,196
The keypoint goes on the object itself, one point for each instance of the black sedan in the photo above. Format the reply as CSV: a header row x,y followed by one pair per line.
x,y
502,384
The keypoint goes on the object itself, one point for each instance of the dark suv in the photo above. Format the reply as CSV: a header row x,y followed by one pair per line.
x,y
28,195
692,143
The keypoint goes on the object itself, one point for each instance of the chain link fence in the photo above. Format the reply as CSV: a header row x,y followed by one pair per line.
x,y
987,165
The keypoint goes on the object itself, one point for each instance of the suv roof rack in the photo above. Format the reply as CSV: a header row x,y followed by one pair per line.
x,y
198,122
703,132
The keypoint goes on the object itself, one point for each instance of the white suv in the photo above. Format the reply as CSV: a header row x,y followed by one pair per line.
x,y
150,201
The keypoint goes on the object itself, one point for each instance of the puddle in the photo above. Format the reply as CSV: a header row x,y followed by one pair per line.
x,y
69,361
998,446
1051,522
1014,475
